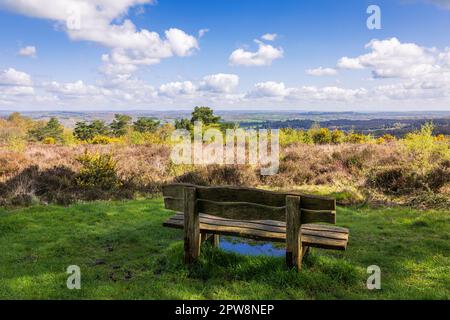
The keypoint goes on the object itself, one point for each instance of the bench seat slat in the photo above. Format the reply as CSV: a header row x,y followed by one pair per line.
x,y
231,231
234,223
313,235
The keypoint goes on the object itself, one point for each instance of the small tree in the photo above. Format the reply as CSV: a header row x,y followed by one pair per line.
x,y
205,115
86,132
120,125
183,124
53,129
143,125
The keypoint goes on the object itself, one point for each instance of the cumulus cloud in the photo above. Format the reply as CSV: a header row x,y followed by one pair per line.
x,y
321,72
269,36
220,83
279,91
329,93
28,51
74,89
269,89
15,86
265,55
349,63
97,21
12,77
393,59
176,89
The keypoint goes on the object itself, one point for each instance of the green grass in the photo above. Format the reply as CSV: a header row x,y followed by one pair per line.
x,y
142,260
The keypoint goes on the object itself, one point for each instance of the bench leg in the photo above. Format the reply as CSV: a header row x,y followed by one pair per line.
x,y
306,251
213,239
192,235
294,252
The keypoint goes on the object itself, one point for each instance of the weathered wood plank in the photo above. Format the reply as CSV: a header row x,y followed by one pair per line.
x,y
241,210
251,211
307,236
233,223
324,243
272,223
238,194
325,234
178,221
231,210
321,227
293,222
174,204
315,216
191,227
233,231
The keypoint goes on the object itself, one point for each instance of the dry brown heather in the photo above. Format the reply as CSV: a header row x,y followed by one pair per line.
x,y
351,172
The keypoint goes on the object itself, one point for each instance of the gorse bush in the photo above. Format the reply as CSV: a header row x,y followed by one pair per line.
x,y
98,171
425,150
104,140
49,140
321,135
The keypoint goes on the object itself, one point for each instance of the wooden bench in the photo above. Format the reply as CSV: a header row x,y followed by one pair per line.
x,y
205,213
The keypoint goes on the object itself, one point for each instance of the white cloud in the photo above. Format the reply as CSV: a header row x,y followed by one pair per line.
x,y
279,91
74,89
202,33
321,72
174,89
16,91
180,42
265,55
349,63
97,21
269,89
392,59
329,93
12,77
269,36
28,51
220,83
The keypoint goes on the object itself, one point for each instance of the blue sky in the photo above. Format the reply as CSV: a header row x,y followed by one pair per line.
x,y
139,54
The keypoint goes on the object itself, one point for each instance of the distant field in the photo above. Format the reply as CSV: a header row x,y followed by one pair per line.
x,y
377,123
124,253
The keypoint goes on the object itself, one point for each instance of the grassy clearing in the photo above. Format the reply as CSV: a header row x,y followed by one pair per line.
x,y
124,253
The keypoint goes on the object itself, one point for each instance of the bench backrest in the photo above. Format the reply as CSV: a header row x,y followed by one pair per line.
x,y
250,204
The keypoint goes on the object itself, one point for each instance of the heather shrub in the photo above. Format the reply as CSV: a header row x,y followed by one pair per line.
x,y
57,185
392,179
20,190
439,177
10,164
